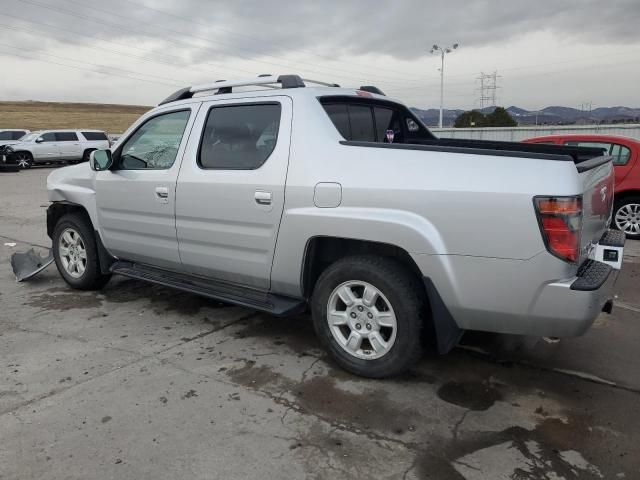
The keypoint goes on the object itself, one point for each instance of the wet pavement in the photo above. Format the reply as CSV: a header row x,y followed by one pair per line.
x,y
139,381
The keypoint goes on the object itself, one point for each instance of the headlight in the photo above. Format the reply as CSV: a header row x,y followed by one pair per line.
x,y
8,149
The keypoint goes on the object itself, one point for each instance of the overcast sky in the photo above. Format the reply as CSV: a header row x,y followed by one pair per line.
x,y
547,52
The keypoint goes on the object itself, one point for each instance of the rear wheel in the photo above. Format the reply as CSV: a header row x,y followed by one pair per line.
x,y
626,216
24,159
87,154
76,253
369,312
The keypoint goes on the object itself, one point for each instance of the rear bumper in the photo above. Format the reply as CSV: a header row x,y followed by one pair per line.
x,y
541,296
568,308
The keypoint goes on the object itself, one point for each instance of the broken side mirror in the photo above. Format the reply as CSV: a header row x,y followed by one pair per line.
x,y
100,160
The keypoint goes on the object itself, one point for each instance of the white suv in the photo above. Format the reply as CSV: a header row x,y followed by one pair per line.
x,y
47,146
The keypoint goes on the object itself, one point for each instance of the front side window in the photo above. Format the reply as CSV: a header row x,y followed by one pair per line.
x,y
6,136
30,137
239,137
66,136
155,144
18,135
48,137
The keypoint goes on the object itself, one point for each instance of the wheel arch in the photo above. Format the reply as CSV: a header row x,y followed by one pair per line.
x,y
322,251
57,210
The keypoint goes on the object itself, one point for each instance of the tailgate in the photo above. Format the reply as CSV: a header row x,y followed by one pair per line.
x,y
597,202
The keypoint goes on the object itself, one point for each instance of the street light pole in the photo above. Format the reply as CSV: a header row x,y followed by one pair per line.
x,y
443,52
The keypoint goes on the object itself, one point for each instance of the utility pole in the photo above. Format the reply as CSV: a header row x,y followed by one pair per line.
x,y
442,51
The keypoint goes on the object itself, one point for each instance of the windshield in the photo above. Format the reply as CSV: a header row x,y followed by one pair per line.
x,y
29,137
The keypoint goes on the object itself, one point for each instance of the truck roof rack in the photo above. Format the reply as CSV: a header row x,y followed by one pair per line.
x,y
226,86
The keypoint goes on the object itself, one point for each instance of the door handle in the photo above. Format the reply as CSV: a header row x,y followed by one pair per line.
x,y
263,198
162,194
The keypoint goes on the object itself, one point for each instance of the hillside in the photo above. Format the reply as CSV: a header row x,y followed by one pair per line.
x,y
46,115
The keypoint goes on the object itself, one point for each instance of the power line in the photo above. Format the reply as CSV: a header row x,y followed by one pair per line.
x,y
99,72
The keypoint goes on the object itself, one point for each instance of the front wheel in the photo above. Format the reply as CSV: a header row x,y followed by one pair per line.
x,y
369,312
24,160
626,216
76,253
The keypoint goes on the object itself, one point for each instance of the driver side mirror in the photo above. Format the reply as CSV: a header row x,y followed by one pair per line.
x,y
39,140
100,160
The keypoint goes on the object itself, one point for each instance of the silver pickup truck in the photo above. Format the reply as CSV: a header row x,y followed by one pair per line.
x,y
283,196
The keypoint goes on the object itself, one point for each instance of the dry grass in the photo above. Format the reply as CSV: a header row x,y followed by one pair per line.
x,y
49,115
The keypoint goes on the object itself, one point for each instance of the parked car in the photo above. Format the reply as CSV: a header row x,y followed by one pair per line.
x,y
47,146
625,152
341,201
9,136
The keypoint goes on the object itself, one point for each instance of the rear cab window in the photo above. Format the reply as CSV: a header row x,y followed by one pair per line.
x,y
374,120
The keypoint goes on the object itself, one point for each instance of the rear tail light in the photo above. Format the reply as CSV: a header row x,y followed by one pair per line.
x,y
560,220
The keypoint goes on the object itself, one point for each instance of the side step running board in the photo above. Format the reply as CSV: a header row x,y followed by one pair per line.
x,y
225,292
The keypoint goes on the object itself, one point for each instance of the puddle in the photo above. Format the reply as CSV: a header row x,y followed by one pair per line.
x,y
470,395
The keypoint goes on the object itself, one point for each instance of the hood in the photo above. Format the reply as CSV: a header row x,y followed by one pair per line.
x,y
4,143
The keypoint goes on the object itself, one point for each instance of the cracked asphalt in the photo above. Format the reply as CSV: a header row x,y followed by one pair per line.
x,y
139,381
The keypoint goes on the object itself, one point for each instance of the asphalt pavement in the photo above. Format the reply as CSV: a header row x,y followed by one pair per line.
x,y
138,381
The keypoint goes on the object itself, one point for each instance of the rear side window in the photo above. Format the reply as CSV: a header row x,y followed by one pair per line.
x,y
239,137
620,153
95,135
66,137
18,135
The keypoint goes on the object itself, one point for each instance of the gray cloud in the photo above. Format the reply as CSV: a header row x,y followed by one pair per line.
x,y
385,42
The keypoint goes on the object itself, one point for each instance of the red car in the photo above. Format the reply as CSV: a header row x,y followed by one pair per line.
x,y
625,152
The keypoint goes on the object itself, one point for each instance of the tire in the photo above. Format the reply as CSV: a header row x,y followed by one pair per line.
x,y
400,299
24,160
626,216
74,244
86,154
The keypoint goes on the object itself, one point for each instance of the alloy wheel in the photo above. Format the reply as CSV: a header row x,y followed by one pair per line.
x,y
628,218
361,320
73,253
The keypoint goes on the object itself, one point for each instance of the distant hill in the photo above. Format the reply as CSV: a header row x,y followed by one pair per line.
x,y
47,115
553,115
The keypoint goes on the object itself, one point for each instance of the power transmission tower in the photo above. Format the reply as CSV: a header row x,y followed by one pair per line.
x,y
488,88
